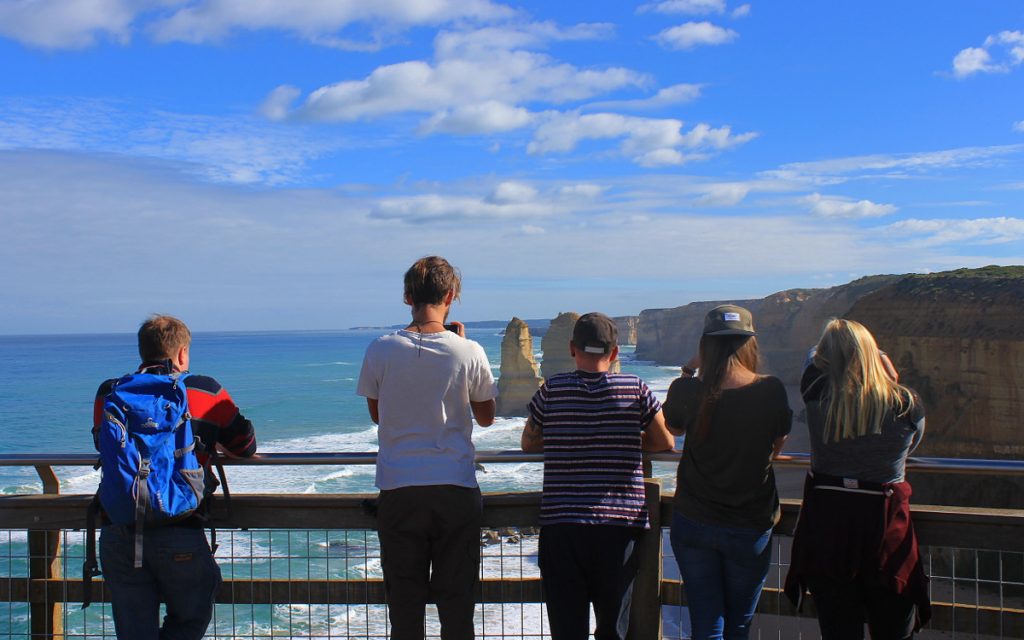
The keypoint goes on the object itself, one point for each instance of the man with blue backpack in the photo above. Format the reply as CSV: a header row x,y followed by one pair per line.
x,y
157,430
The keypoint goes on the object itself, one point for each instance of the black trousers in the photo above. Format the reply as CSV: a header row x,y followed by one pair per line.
x,y
430,552
844,607
582,564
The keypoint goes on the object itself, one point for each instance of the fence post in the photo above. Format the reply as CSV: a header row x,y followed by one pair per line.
x,y
645,614
46,619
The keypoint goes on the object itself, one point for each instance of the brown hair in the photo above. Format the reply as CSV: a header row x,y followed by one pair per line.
x,y
717,354
429,280
160,336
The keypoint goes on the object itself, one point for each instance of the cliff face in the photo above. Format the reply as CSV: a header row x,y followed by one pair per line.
x,y
671,336
519,377
627,326
958,339
788,323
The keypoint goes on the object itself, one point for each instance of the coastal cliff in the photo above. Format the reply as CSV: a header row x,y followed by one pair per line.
x,y
956,337
788,323
519,378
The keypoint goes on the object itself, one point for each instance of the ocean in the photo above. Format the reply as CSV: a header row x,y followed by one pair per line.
x,y
298,388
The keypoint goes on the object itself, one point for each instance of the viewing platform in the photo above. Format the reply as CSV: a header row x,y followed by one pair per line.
x,y
308,565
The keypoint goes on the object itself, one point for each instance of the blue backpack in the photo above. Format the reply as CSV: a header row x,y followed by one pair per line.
x,y
151,475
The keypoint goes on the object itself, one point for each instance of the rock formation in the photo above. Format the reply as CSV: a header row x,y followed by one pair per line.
x,y
788,323
555,345
518,379
956,337
627,328
670,336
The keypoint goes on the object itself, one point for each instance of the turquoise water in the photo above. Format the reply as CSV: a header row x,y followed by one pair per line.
x,y
298,388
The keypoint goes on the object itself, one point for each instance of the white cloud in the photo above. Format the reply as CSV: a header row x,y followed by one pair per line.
x,y
502,76
1019,126
512,193
741,11
695,34
895,165
235,148
999,54
486,117
725,194
439,207
71,24
279,102
581,191
290,248
689,7
648,141
318,21
667,97
61,24
838,207
975,231
973,60
468,43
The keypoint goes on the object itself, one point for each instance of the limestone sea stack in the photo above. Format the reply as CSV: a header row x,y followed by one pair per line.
x,y
519,377
627,328
555,345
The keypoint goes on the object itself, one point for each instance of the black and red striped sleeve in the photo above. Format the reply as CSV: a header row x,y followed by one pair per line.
x,y
97,410
217,419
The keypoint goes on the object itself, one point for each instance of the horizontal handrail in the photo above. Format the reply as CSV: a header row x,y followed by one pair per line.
x,y
936,465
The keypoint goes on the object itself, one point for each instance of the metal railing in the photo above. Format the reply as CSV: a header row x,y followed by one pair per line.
x,y
308,565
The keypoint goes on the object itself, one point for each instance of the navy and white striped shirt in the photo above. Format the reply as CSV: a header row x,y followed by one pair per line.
x,y
593,467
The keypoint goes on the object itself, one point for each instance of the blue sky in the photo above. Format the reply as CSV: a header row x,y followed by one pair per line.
x,y
278,165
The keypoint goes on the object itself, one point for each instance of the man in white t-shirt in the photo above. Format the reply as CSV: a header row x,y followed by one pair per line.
x,y
424,385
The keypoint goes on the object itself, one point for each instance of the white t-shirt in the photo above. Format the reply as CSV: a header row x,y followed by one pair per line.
x,y
424,384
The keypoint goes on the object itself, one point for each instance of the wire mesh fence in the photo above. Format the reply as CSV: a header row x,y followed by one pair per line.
x,y
326,584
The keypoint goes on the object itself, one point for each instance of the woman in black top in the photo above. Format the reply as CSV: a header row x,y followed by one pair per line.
x,y
726,502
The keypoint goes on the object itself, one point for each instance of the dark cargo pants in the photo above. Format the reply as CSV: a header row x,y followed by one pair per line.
x,y
430,552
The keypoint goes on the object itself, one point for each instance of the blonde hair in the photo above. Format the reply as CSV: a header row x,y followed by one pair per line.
x,y
860,392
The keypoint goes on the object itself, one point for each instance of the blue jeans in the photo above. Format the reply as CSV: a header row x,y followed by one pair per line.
x,y
723,570
177,568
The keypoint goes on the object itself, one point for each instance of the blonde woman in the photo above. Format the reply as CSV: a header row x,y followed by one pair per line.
x,y
854,547
726,503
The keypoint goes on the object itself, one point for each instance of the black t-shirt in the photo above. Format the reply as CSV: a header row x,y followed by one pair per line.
x,y
726,478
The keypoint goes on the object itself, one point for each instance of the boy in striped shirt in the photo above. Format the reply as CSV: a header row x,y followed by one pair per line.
x,y
592,427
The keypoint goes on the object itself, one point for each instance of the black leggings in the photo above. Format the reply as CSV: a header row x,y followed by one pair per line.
x,y
844,607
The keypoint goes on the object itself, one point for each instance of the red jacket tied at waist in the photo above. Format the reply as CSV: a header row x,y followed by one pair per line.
x,y
847,529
